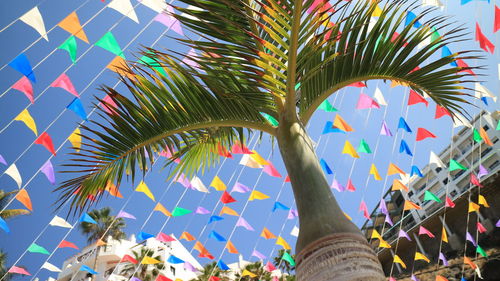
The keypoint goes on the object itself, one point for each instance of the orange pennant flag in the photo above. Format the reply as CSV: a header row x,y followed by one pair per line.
x,y
410,205
441,278
231,248
23,197
228,211
199,247
267,234
393,169
470,263
113,190
485,137
72,25
119,65
340,123
159,207
100,243
186,235
398,185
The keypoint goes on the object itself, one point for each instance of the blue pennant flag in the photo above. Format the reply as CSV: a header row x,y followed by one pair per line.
x,y
445,51
330,129
278,205
86,218
463,279
415,171
410,16
463,2
174,260
403,147
485,101
222,265
216,236
88,269
4,226
22,64
325,166
77,107
214,218
144,236
403,125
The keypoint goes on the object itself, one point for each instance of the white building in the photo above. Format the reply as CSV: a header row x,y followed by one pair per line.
x,y
109,256
239,266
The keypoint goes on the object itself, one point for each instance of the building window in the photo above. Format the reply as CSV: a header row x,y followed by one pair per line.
x,y
422,187
486,151
458,174
486,128
438,169
453,193
410,193
445,181
172,269
494,165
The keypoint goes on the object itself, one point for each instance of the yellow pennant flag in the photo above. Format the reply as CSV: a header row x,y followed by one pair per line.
x,y
398,185
473,207
26,118
444,236
384,244
347,216
376,235
280,241
218,184
374,172
257,158
119,65
149,260
340,123
228,211
231,248
248,273
142,187
100,242
397,259
349,149
395,83
393,169
420,256
410,205
160,208
377,12
257,195
76,139
482,201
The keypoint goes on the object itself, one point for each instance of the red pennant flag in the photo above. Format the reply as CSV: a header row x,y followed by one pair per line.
x,y
441,111
474,180
214,278
206,255
395,36
465,67
481,228
67,244
45,140
422,134
449,203
350,186
128,259
287,178
226,198
162,278
484,43
240,149
164,237
496,24
223,151
357,85
416,98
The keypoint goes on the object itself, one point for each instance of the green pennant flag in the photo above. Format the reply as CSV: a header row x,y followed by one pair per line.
x,y
454,165
434,36
498,126
327,106
108,42
364,147
154,64
476,136
431,196
70,46
286,256
34,248
178,211
297,86
480,251
270,119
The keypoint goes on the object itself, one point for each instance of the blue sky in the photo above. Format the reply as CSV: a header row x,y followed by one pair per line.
x,y
17,137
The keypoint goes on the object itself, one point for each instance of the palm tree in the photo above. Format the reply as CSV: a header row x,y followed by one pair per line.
x,y
9,213
145,272
281,264
267,65
256,268
209,270
3,265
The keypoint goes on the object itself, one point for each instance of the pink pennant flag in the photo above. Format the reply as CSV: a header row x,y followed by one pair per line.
x,y
384,131
366,101
243,223
474,180
481,228
392,279
350,186
271,170
48,170
167,153
292,214
269,267
336,185
422,230
241,188
24,85
403,233
64,82
164,237
18,270
185,182
202,211
240,149
188,59
169,21
109,105
364,208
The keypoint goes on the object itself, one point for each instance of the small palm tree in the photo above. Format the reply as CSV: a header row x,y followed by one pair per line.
x,y
209,270
9,213
267,66
3,265
145,272
256,268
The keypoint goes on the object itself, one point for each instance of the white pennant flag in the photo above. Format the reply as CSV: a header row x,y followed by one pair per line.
x,y
191,7
435,3
125,8
249,162
434,159
13,172
58,221
198,184
482,91
34,19
295,231
158,6
379,97
51,279
460,120
50,267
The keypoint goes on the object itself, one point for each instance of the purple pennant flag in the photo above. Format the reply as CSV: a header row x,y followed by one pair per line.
x,y
169,21
258,254
414,278
336,185
498,223
190,267
388,220
48,170
469,237
402,233
187,59
123,214
185,181
243,223
482,171
241,188
2,160
384,131
202,211
443,258
135,279
292,214
383,207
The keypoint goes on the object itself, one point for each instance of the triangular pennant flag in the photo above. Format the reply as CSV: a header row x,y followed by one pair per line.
x,y
248,273
243,223
239,148
24,85
295,231
441,278
398,185
257,195
218,184
231,248
76,139
149,260
473,207
341,124
420,256
350,186
403,147
480,251
441,111
365,102
123,214
51,267
18,270
422,230
142,187
34,248
109,105
119,65
58,221
449,203
379,97
482,92
127,258
383,207
423,134
385,131
327,106
22,64
45,140
125,8
144,236
34,19
67,244
87,218
454,165
77,107
26,118
281,206
256,156
410,205
271,170
384,244
241,188
216,236
349,149
468,237
166,18
444,236
13,172
484,43
364,209
202,211
485,137
357,85
108,42
113,190
434,159
481,228
292,214
222,265
267,234
403,233
431,196
174,260
226,198
336,185
228,211
415,171
248,161
70,46
375,234
258,255
178,211
72,25
64,83
388,220
482,171
397,259
416,98
187,236
364,147
23,197
287,257
164,237
393,169
330,129
325,167
482,201
403,125
198,184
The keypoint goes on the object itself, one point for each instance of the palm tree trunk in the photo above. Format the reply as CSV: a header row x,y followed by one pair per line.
x,y
329,246
95,262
